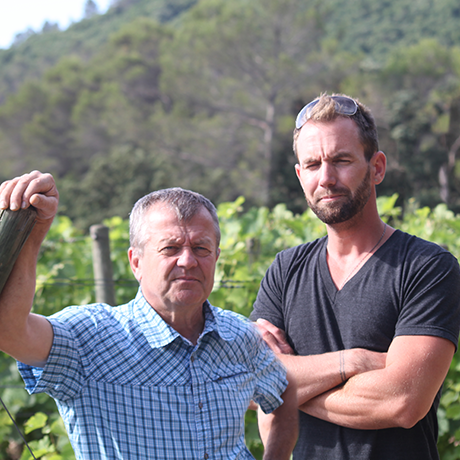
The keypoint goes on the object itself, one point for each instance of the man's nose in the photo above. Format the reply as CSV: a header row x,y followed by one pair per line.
x,y
187,258
327,175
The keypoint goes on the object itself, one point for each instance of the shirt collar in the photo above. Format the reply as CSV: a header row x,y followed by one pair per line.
x,y
159,333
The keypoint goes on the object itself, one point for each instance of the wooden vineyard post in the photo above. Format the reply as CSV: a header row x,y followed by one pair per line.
x,y
102,265
15,227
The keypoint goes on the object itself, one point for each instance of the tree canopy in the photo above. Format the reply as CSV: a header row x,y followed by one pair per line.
x,y
203,95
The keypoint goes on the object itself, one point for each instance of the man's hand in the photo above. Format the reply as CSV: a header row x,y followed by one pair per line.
x,y
274,337
36,189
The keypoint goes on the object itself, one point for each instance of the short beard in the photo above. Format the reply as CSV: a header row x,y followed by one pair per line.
x,y
337,213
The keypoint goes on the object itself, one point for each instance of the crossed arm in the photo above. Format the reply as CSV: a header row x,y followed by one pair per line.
x,y
23,335
361,389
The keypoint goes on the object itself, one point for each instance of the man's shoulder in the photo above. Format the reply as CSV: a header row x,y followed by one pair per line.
x,y
81,317
413,246
232,324
414,255
309,249
229,317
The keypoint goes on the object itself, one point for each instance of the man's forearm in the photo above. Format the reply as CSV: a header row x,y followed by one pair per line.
x,y
279,430
317,374
397,396
17,326
352,406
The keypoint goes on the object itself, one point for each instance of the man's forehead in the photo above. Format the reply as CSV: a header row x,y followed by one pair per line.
x,y
318,128
337,134
165,226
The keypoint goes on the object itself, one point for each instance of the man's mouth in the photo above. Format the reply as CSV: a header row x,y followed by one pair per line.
x,y
185,278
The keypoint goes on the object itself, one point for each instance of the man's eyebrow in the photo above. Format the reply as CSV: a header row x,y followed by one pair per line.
x,y
206,240
180,240
170,239
342,154
334,156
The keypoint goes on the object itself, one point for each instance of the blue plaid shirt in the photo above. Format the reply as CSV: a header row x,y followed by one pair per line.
x,y
128,386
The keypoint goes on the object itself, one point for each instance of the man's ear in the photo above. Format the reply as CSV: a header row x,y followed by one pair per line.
x,y
379,165
297,170
135,263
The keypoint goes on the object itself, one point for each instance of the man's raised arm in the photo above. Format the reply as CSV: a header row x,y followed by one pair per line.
x,y
23,335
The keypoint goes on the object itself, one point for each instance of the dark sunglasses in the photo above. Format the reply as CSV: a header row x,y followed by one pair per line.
x,y
343,105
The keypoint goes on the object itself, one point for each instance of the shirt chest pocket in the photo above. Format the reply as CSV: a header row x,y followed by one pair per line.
x,y
232,378
235,387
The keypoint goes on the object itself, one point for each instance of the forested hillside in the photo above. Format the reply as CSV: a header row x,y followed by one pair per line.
x,y
203,94
29,59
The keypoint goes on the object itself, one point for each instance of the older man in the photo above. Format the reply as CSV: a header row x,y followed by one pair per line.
x,y
166,376
372,313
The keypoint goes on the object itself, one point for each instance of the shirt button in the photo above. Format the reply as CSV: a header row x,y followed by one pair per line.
x,y
200,405
192,358
206,456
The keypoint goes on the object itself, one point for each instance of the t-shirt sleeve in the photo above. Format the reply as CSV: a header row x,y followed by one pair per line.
x,y
431,302
270,375
62,376
269,301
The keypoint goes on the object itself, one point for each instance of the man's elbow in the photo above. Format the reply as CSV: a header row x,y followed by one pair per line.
x,y
408,412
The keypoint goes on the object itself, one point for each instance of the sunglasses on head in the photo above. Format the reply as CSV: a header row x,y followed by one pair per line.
x,y
343,105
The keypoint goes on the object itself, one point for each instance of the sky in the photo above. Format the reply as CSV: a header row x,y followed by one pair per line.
x,y
18,15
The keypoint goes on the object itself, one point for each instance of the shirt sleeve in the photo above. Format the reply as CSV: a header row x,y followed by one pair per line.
x,y
431,304
269,301
62,377
270,375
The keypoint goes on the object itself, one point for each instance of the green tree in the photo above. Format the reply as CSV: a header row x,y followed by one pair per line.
x,y
422,84
233,71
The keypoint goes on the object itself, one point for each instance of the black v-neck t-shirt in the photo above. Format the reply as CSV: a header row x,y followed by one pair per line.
x,y
408,287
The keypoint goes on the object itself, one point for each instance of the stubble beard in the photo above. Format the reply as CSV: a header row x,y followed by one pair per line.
x,y
336,213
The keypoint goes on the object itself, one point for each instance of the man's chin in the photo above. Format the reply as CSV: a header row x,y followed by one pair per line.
x,y
329,214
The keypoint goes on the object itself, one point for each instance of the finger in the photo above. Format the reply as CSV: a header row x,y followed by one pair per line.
x,y
12,191
34,188
45,206
6,191
252,405
275,337
271,341
37,183
277,332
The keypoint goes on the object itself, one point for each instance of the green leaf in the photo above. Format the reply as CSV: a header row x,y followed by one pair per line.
x,y
35,422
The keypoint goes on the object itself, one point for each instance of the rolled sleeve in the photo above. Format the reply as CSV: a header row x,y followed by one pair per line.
x,y
62,376
270,375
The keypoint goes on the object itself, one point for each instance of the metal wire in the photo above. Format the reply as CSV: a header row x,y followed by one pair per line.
x,y
17,428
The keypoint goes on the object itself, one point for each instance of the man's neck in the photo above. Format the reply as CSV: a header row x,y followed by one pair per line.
x,y
189,325
350,246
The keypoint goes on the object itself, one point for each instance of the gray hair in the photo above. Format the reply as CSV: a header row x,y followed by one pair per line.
x,y
185,203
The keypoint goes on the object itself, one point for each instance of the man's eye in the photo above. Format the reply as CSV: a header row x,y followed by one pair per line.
x,y
201,251
169,250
